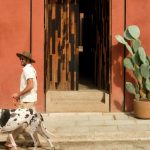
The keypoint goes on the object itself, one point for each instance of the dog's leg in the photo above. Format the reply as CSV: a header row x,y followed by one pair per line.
x,y
37,138
34,140
12,141
43,132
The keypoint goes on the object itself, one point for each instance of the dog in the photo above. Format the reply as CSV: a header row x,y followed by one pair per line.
x,y
11,119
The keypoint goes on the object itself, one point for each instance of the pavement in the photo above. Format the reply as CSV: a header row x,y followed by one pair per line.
x,y
95,131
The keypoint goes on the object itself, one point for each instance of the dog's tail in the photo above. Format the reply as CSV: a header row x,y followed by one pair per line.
x,y
45,130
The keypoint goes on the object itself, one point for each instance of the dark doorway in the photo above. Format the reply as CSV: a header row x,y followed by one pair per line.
x,y
94,38
88,40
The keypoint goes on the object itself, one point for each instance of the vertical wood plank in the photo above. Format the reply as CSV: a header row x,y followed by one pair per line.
x,y
62,45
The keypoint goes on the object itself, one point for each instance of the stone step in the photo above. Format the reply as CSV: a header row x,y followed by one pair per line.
x,y
105,145
76,95
77,101
111,141
95,131
103,141
98,131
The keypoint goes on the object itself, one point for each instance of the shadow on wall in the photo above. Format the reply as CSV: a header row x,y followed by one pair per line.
x,y
129,97
119,77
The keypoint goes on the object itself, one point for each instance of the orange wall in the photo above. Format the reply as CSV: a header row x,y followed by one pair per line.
x,y
117,77
15,37
137,12
38,48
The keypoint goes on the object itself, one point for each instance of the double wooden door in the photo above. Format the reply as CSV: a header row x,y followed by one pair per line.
x,y
74,28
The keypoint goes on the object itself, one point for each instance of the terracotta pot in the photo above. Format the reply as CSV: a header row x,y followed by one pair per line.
x,y
142,109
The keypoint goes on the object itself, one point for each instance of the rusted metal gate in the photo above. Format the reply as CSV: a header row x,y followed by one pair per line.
x,y
62,44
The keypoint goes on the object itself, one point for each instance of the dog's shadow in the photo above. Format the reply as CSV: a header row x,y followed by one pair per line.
x,y
27,147
2,146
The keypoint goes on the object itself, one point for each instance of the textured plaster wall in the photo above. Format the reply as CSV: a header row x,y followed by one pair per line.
x,y
15,37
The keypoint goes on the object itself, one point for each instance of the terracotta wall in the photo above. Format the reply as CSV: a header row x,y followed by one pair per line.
x,y
136,12
15,37
117,74
38,48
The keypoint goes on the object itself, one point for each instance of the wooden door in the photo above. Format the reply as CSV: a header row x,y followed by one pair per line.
x,y
61,54
73,29
103,44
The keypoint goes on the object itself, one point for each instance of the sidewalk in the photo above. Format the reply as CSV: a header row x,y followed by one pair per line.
x,y
97,131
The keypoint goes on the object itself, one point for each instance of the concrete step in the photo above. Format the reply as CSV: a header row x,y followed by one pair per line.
x,y
84,143
77,101
98,131
113,140
109,145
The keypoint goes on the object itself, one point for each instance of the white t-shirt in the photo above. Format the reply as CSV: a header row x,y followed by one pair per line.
x,y
28,73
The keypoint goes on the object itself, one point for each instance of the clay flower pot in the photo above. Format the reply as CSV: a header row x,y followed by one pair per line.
x,y
142,109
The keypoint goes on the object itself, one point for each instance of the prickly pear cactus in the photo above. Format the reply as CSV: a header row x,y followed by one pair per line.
x,y
138,62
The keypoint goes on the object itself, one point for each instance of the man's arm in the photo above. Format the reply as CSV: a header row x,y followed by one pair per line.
x,y
27,89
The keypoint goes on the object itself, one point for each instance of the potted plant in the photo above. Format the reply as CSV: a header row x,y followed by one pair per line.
x,y
139,63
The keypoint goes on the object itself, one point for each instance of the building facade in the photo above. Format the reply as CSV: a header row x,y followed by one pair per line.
x,y
73,43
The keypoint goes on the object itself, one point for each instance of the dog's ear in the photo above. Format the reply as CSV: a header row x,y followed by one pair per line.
x,y
5,116
31,111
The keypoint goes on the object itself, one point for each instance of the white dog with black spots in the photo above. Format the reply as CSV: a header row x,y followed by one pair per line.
x,y
11,119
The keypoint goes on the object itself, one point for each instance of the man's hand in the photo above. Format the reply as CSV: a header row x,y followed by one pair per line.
x,y
27,89
16,96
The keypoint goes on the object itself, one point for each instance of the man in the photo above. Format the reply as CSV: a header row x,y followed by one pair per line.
x,y
27,96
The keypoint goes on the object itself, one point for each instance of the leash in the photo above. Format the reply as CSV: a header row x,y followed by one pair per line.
x,y
15,102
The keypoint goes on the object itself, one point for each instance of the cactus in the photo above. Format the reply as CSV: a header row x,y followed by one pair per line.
x,y
136,58
145,71
130,88
128,63
127,35
137,61
134,31
142,54
136,44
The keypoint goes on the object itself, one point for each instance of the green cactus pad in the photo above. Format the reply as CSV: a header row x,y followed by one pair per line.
x,y
134,31
142,54
127,35
136,59
147,84
129,48
130,88
137,88
128,63
120,39
138,75
135,45
145,70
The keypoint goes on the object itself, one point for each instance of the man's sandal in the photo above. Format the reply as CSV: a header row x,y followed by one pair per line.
x,y
8,145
